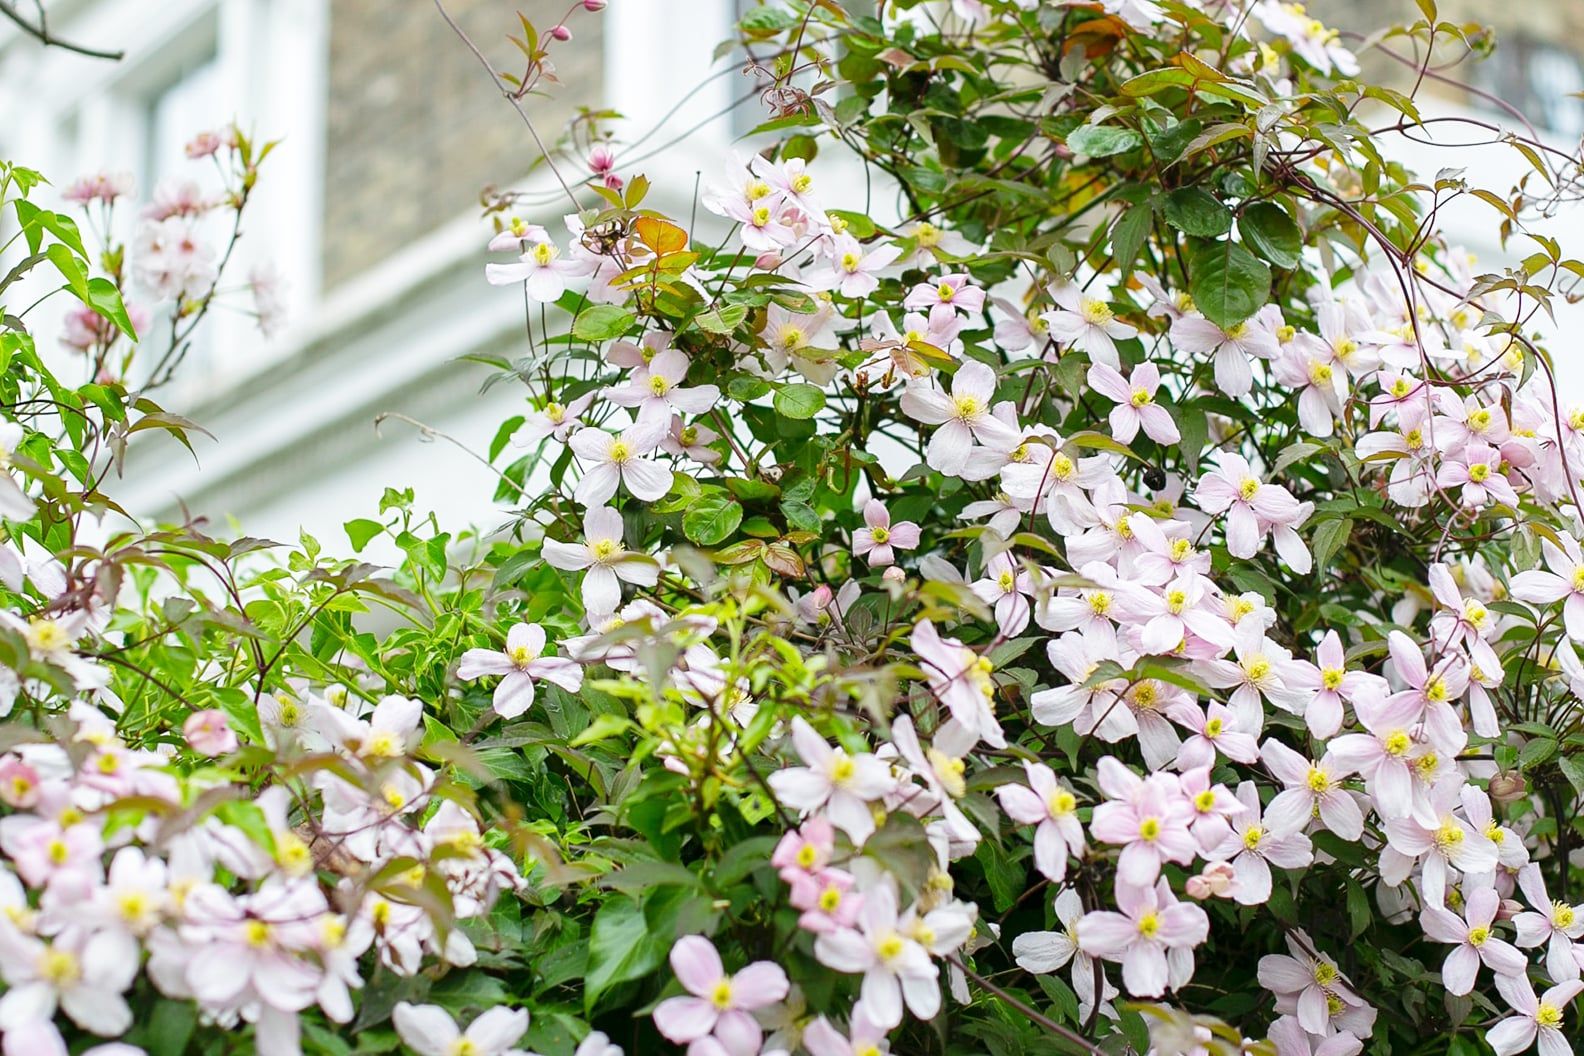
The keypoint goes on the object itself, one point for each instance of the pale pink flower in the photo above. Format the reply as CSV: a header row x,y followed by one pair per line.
x,y
1197,337
429,1030
520,663
718,1003
1431,691
879,539
851,272
552,419
1086,323
1309,367
1562,578
840,785
1556,925
605,557
1381,756
1009,588
825,899
1135,403
1310,977
955,290
863,1037
1152,937
1312,788
103,186
1534,1019
1253,508
961,680
1215,728
82,973
1148,817
208,732
1475,940
1254,845
612,461
895,967
1444,842
1331,683
963,416
1042,952
1052,807
656,390
541,269
1477,470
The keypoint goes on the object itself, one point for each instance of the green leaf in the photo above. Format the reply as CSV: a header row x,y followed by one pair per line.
x,y
1102,141
799,401
1572,768
1329,539
71,269
36,221
1128,235
621,948
601,323
712,519
1536,752
1271,233
360,531
722,320
1228,283
104,298
1197,212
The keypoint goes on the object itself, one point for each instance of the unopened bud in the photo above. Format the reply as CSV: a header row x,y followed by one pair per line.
x,y
1508,786
1215,881
1508,909
768,260
893,574
593,5
560,33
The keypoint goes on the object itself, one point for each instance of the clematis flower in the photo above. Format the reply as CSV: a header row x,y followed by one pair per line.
x,y
542,270
611,461
520,663
1477,470
1446,842
1043,952
963,417
1046,803
1152,937
1555,925
1313,789
1198,337
1381,755
655,390
896,969
1562,578
608,561
1330,682
1087,324
1534,1019
1253,508
1135,403
429,1030
955,290
1148,817
1008,588
1253,847
879,539
1309,979
1474,940
83,974
1309,367
852,272
718,1003
961,680
1430,692
832,781
863,1037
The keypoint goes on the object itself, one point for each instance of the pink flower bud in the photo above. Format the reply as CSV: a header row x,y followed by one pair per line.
x,y
613,181
593,5
18,783
1215,881
560,33
209,733
1508,787
768,260
1508,909
893,574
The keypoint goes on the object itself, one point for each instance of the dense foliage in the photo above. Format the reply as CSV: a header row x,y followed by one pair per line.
x,y
1063,558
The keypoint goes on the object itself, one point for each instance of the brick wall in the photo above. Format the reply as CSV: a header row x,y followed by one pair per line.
x,y
414,129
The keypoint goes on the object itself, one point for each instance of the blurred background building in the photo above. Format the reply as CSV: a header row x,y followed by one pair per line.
x,y
370,206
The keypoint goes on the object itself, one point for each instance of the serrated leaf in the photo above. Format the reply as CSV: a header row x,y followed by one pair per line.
x,y
1271,233
800,401
1227,282
712,519
601,323
1195,211
1102,141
